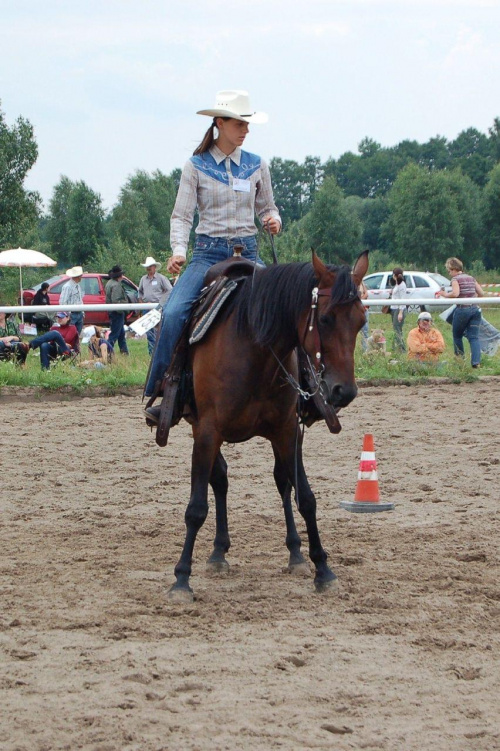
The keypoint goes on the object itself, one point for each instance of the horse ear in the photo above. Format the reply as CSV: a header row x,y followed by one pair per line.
x,y
360,268
324,276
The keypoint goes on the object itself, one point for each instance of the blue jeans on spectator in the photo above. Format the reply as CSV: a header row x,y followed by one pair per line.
x,y
466,322
117,333
77,320
151,337
51,344
365,332
399,342
207,252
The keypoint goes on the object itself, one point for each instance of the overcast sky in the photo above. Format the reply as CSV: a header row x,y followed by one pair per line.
x,y
112,86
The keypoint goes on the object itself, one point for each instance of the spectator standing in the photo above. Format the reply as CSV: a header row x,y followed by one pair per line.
x,y
71,294
398,312
425,343
153,287
116,294
62,339
41,320
466,318
365,331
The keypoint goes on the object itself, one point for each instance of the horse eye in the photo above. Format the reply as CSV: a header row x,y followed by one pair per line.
x,y
327,320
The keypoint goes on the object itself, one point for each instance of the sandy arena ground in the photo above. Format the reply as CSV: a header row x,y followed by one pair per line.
x,y
403,656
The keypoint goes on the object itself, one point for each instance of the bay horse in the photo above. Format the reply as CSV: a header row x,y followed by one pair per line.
x,y
246,384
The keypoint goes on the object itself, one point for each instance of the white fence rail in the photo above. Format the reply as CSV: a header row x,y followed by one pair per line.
x,y
428,302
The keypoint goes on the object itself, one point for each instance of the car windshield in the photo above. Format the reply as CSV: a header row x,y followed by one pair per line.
x,y
49,281
440,279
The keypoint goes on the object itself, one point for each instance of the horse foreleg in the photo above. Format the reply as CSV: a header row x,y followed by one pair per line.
x,y
296,561
218,480
204,453
306,501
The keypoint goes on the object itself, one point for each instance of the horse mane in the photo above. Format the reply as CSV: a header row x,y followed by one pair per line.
x,y
269,303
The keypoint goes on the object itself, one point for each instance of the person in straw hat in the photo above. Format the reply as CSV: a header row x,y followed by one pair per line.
x,y
71,294
153,287
229,187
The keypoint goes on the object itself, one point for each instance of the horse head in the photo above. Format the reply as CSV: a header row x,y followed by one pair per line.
x,y
334,320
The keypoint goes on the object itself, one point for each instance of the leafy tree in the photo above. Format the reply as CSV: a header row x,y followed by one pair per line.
x,y
471,151
19,208
294,186
424,224
491,216
331,227
75,223
141,219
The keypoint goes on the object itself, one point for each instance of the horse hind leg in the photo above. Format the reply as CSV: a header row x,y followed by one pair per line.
x,y
297,564
218,480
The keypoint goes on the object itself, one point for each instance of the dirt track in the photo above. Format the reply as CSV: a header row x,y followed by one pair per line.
x,y
405,655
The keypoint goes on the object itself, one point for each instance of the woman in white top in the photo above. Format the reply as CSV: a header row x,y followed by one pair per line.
x,y
229,187
398,312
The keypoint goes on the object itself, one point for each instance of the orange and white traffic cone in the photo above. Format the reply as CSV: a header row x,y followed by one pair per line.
x,y
367,495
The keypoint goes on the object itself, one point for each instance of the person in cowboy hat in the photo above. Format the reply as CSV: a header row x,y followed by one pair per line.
x,y
71,294
229,187
425,343
116,294
153,287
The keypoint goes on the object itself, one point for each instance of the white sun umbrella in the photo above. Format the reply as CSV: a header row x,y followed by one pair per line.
x,y
27,258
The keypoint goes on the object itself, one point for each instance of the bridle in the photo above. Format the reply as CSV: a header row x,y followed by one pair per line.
x,y
316,365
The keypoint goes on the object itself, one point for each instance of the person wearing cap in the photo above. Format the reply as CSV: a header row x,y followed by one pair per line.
x,y
229,187
61,340
425,343
115,293
153,287
71,294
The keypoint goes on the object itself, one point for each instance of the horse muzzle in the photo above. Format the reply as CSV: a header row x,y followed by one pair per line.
x,y
340,394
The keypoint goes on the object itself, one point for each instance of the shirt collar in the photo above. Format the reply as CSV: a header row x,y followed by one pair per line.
x,y
219,155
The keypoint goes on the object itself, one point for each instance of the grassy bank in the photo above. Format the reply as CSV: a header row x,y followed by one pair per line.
x,y
130,372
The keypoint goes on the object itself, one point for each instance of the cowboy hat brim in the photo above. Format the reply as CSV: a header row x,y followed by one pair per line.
x,y
258,118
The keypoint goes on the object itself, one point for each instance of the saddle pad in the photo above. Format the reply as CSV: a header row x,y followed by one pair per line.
x,y
201,327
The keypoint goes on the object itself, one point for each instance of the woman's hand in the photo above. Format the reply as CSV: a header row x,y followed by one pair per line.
x,y
175,263
273,225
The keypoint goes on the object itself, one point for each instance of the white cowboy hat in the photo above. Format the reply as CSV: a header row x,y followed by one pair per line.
x,y
151,262
236,104
75,271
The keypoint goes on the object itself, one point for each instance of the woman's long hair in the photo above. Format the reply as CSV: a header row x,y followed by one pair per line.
x,y
209,138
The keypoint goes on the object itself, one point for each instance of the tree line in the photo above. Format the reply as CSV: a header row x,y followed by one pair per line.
x,y
412,204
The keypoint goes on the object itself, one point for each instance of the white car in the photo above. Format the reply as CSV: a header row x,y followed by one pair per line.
x,y
418,284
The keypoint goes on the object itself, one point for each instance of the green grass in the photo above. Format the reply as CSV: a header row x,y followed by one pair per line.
x,y
130,372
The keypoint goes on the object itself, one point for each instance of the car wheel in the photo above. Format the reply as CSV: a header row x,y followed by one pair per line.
x,y
416,308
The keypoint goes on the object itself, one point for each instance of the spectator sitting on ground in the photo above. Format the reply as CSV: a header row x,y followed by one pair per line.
x,y
100,350
425,343
376,342
10,340
62,340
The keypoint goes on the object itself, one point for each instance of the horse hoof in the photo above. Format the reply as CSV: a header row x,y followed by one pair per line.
x,y
299,569
177,594
330,586
221,568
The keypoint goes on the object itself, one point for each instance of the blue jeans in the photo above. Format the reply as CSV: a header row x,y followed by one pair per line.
x,y
151,337
77,320
466,322
399,342
117,333
207,252
51,344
